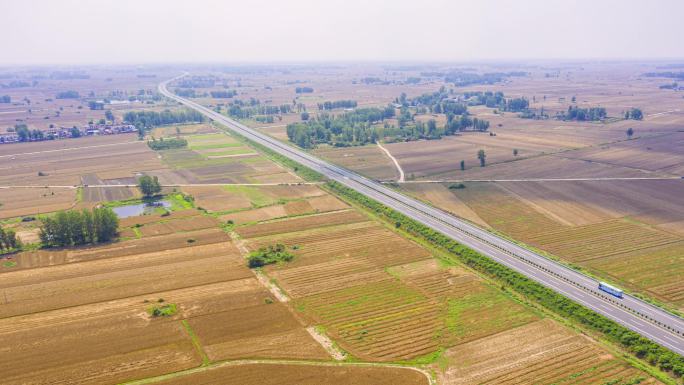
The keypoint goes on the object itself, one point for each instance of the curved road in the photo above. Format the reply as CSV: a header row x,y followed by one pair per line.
x,y
648,320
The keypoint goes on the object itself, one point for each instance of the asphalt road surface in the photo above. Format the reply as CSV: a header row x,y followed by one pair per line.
x,y
650,321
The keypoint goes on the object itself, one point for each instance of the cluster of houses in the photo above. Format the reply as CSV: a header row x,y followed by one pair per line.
x,y
69,132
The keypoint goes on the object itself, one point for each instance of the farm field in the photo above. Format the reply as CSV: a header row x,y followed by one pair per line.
x,y
272,374
342,278
101,296
356,287
65,162
628,232
219,158
541,352
366,160
406,307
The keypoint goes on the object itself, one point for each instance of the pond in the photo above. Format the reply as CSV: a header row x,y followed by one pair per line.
x,y
139,209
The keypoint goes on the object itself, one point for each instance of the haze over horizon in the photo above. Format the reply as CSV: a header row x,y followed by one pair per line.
x,y
127,31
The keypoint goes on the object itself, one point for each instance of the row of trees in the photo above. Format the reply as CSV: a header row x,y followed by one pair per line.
x,y
331,105
461,79
9,240
71,94
634,114
167,144
223,94
362,126
5,99
304,90
144,120
27,135
241,112
74,227
583,114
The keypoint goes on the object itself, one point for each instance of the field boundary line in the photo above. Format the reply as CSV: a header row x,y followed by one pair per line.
x,y
326,343
260,276
396,163
221,364
195,342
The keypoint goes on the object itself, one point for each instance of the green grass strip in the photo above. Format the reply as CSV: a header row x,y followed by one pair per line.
x,y
196,343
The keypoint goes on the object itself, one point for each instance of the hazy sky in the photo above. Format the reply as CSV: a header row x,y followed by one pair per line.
x,y
142,31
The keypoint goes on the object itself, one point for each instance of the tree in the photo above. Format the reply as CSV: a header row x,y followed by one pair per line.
x,y
463,165
109,115
630,132
75,132
149,186
9,240
481,156
515,152
305,115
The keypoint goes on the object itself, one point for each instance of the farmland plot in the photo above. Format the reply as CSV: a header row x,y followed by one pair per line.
x,y
274,374
367,160
541,352
624,231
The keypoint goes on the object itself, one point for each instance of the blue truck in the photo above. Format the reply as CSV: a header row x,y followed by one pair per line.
x,y
612,290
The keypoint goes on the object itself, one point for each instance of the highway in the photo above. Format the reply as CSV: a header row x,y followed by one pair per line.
x,y
648,320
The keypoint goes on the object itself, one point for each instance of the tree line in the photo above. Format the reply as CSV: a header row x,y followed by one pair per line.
x,y
634,114
167,144
304,90
223,94
27,135
74,227
71,94
5,99
583,114
364,125
242,110
331,105
144,120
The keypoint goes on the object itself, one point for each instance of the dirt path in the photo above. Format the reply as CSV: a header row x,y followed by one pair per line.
x,y
260,276
426,373
396,163
326,343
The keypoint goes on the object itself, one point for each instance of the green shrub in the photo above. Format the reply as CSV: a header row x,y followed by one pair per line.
x,y
269,255
163,310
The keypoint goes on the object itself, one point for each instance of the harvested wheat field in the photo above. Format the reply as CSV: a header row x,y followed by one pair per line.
x,y
18,202
301,374
367,160
541,352
65,162
346,277
626,231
